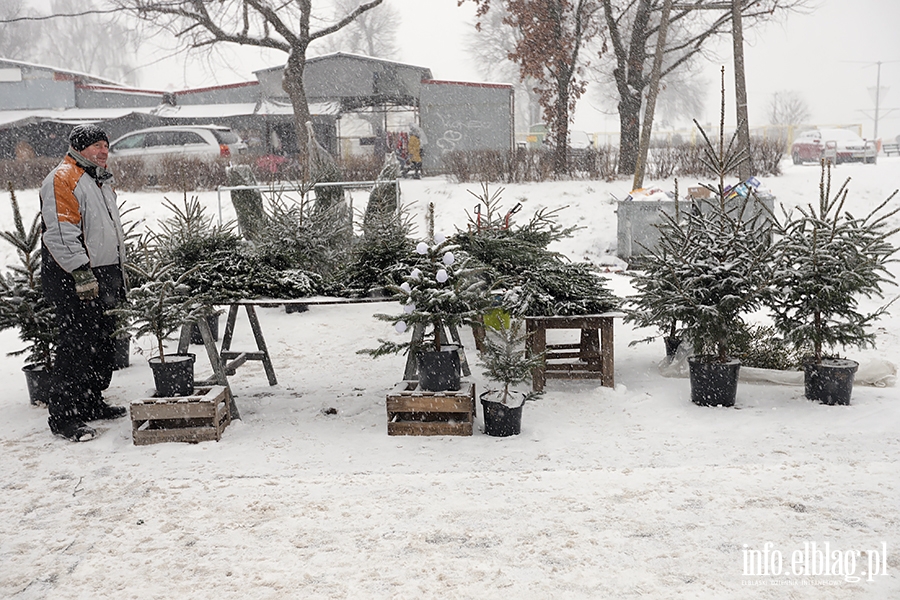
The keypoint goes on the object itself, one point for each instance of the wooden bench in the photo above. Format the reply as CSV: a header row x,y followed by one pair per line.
x,y
890,149
593,354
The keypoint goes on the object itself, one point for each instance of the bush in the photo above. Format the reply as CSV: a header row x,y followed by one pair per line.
x,y
29,173
360,168
129,174
186,174
528,164
765,154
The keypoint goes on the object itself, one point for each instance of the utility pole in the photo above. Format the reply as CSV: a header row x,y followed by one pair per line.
x,y
878,108
877,97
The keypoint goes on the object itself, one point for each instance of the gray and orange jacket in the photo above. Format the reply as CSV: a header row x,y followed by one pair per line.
x,y
81,227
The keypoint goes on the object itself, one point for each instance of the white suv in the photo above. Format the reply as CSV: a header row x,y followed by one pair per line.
x,y
207,142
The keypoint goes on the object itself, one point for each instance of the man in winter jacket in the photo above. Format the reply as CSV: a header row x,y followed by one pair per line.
x,y
82,275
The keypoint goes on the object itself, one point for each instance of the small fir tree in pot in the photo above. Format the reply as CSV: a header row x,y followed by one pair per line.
x,y
157,306
507,363
829,259
715,262
440,293
23,306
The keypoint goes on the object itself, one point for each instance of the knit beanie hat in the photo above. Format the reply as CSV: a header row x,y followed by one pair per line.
x,y
83,136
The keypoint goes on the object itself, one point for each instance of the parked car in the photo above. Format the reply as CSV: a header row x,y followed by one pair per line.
x,y
841,145
199,141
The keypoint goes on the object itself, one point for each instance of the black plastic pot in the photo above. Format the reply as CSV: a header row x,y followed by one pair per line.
x,y
501,420
439,371
213,322
175,377
713,383
121,352
39,380
830,381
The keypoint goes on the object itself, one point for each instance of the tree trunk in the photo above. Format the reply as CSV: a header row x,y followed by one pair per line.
x,y
292,84
630,83
560,162
629,132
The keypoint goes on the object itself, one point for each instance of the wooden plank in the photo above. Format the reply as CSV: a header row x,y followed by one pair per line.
x,y
563,347
428,404
192,434
261,344
583,322
311,301
561,355
193,410
593,367
420,428
607,354
535,345
574,375
235,361
409,388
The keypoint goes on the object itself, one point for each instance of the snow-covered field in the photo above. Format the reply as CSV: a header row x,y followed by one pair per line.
x,y
607,493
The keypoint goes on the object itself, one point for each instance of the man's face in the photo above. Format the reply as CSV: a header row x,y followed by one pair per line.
x,y
97,152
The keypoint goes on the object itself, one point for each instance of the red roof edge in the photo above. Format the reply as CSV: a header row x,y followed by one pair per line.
x,y
227,86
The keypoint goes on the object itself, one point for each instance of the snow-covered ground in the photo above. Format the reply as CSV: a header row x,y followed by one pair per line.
x,y
607,493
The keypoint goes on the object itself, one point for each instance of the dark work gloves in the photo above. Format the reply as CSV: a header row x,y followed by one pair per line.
x,y
86,286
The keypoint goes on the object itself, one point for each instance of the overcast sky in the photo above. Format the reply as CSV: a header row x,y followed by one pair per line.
x,y
828,56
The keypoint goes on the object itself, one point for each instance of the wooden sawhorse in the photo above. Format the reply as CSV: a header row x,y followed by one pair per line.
x,y
219,372
594,353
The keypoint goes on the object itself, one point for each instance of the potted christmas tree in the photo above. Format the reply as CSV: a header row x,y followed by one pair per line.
x,y
506,363
23,306
158,305
829,260
441,292
713,260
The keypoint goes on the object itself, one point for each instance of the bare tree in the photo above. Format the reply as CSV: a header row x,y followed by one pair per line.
x,y
283,25
788,108
82,43
372,34
632,26
489,49
552,35
17,35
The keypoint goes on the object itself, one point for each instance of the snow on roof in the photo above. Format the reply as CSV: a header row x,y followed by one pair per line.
x,y
361,57
10,118
266,107
75,74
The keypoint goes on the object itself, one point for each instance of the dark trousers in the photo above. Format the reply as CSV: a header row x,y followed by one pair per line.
x,y
84,360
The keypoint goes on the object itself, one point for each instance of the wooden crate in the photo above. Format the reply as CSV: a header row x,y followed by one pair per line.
x,y
196,418
411,411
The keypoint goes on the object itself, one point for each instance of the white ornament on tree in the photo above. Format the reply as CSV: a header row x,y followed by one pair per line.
x,y
442,276
439,238
408,308
422,248
405,287
415,274
400,327
449,258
